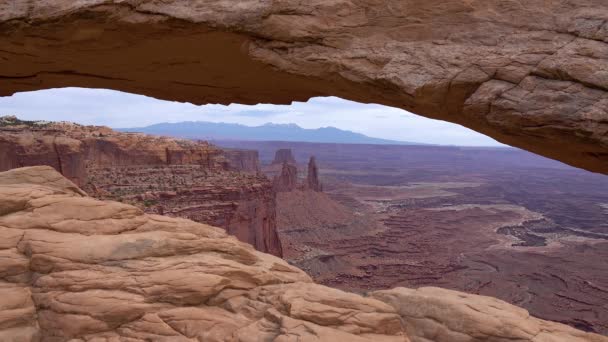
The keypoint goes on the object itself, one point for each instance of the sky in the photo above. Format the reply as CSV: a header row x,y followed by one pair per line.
x,y
123,110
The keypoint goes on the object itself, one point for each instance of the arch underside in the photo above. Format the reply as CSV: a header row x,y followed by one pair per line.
x,y
532,75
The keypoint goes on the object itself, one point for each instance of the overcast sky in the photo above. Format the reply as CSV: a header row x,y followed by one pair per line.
x,y
123,110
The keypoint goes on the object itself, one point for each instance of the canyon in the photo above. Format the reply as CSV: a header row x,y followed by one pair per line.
x,y
74,268
161,175
529,74
377,222
493,221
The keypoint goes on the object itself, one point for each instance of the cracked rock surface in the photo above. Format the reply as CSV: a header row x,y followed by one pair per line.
x,y
532,74
73,268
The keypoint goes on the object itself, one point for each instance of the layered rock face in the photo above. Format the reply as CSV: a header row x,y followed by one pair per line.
x,y
287,180
241,203
312,178
161,175
282,156
78,151
483,221
79,269
528,74
243,160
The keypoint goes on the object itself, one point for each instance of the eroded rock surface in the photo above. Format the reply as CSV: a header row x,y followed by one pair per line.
x,y
79,269
243,160
482,221
81,152
284,155
287,180
530,74
435,314
160,175
312,177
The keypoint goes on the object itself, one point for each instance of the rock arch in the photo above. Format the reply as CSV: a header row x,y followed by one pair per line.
x,y
530,74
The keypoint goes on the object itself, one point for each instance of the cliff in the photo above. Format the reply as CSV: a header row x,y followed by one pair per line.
x,y
243,204
175,177
287,180
76,150
283,155
79,269
243,160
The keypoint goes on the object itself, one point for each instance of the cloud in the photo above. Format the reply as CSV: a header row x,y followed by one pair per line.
x,y
117,109
256,113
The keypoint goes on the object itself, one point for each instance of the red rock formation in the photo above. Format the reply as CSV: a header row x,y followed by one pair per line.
x,y
284,155
312,178
42,146
74,149
161,175
243,160
73,268
241,203
287,180
404,243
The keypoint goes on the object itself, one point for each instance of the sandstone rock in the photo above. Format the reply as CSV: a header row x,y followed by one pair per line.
x,y
75,150
312,178
241,203
78,269
243,160
529,75
282,156
287,180
435,314
174,177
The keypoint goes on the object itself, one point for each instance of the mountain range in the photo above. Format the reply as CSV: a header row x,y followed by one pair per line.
x,y
270,131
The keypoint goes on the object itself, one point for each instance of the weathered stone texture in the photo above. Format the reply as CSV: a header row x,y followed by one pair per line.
x,y
78,269
161,175
530,74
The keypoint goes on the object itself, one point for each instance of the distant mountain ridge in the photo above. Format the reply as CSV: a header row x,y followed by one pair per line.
x,y
270,131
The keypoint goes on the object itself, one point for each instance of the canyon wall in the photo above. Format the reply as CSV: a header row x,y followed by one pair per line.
x,y
243,160
161,175
283,155
529,74
287,180
74,149
78,269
